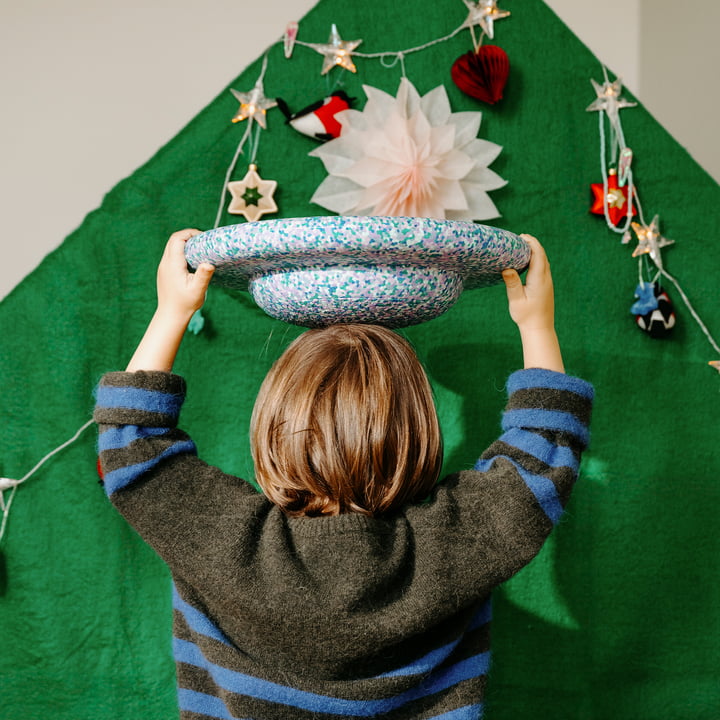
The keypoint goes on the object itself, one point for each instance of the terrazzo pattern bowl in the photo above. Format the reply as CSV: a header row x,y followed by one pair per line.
x,y
392,271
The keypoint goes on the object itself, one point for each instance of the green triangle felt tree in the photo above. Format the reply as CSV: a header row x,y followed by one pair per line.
x,y
616,617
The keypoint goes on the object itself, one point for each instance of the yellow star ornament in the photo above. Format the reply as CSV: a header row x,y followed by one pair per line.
x,y
252,197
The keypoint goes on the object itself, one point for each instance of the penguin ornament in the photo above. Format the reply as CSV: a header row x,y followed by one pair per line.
x,y
318,120
653,311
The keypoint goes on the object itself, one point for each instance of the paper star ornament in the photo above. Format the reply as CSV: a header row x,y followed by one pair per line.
x,y
613,197
337,52
252,197
650,241
253,105
484,13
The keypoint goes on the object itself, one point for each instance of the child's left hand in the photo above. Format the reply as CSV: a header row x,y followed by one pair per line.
x,y
180,291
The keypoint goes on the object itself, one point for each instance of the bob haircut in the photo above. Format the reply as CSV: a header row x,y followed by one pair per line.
x,y
345,422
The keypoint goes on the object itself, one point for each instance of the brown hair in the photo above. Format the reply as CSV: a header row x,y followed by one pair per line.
x,y
345,422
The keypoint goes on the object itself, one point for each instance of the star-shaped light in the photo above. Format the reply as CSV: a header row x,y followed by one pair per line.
x,y
484,13
253,105
336,52
608,100
715,364
612,196
650,241
252,196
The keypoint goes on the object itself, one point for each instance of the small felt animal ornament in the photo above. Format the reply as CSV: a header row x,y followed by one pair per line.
x,y
318,120
654,313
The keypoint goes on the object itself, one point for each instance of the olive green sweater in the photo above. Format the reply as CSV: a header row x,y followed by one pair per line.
x,y
337,617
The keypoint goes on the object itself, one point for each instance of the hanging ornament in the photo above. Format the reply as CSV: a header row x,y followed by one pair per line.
x,y
650,241
484,13
609,101
252,196
318,120
409,156
482,74
654,313
336,52
610,199
289,38
626,158
253,105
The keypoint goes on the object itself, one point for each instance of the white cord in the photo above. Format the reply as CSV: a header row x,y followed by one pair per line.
x,y
16,483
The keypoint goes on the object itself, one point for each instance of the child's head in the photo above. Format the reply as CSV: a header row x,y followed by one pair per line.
x,y
345,422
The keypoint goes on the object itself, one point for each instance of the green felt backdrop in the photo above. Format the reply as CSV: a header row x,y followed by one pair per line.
x,y
619,617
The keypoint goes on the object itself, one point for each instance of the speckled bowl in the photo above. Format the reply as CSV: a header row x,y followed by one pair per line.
x,y
393,271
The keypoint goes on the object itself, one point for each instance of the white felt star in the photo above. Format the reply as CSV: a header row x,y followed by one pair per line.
x,y
252,196
484,13
253,105
650,241
336,52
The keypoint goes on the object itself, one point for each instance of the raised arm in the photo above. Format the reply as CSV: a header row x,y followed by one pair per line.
x,y
180,293
532,307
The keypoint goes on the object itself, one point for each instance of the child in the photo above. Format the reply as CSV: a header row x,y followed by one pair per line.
x,y
355,586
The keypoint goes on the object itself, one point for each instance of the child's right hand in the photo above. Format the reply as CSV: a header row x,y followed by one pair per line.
x,y
532,306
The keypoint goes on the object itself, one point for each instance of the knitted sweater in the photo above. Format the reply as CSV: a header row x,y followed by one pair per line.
x,y
347,616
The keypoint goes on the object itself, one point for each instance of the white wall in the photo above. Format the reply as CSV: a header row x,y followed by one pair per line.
x,y
91,89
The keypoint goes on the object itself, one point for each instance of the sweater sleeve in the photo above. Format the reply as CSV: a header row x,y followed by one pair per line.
x,y
150,468
494,519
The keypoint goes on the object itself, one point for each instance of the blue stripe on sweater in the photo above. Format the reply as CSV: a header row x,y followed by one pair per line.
x,y
539,419
239,683
541,487
117,479
115,438
429,662
536,445
196,620
202,704
537,377
139,399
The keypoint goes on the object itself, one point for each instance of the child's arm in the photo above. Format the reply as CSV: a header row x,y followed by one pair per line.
x,y
180,294
533,310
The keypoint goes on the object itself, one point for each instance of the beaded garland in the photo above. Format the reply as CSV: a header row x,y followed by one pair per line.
x,y
393,271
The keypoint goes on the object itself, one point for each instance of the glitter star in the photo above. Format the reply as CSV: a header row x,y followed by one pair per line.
x,y
253,105
650,241
336,52
484,13
613,197
252,196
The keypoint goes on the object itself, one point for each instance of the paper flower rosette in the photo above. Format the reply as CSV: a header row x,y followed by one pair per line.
x,y
392,271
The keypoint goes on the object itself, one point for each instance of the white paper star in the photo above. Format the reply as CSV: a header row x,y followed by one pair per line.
x,y
252,196
650,241
253,105
336,52
484,13
608,100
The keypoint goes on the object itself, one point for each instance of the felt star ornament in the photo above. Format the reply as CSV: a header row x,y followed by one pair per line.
x,y
608,100
612,197
337,52
252,196
650,241
484,13
253,105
